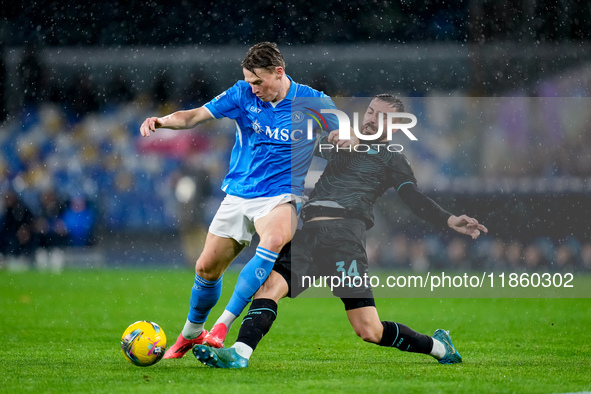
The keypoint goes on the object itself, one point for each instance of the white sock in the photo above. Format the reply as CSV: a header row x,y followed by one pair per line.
x,y
243,349
227,318
438,350
192,330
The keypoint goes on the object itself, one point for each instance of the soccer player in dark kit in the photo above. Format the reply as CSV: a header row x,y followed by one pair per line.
x,y
332,242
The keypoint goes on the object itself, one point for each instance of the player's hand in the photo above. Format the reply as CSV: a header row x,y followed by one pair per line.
x,y
466,225
150,124
333,138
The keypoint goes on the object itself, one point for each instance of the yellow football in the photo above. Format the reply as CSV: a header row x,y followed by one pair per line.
x,y
143,343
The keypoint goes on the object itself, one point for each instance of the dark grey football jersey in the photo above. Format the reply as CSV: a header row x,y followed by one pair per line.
x,y
353,181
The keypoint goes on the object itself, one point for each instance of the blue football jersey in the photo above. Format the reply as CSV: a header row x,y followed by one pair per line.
x,y
272,152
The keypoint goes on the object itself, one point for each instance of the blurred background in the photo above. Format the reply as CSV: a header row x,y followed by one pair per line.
x,y
500,88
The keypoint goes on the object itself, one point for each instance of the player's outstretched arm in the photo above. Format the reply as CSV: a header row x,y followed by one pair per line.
x,y
429,210
466,225
177,120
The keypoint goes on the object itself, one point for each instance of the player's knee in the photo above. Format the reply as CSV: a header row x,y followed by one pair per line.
x,y
208,271
274,242
368,334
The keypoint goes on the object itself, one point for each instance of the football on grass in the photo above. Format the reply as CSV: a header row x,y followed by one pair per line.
x,y
143,343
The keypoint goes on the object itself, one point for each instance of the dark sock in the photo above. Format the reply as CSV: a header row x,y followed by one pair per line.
x,y
257,322
403,338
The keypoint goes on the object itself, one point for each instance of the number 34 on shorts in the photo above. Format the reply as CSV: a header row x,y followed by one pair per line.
x,y
351,270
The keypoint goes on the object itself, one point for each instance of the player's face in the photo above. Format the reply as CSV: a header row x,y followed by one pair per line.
x,y
377,108
265,84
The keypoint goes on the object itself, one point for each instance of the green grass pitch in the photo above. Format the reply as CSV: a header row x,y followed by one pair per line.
x,y
60,333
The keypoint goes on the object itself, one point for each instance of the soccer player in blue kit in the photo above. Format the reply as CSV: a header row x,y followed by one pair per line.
x,y
264,186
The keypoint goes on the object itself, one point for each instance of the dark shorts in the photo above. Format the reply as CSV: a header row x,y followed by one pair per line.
x,y
333,249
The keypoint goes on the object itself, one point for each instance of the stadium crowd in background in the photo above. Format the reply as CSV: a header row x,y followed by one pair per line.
x,y
53,143
38,237
76,136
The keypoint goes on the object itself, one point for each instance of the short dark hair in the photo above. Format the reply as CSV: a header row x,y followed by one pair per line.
x,y
394,101
263,55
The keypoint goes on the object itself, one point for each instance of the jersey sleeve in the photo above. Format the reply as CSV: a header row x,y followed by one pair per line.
x,y
400,172
226,104
423,206
406,186
331,120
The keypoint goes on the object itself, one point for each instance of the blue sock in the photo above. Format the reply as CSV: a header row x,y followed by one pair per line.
x,y
204,295
252,276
